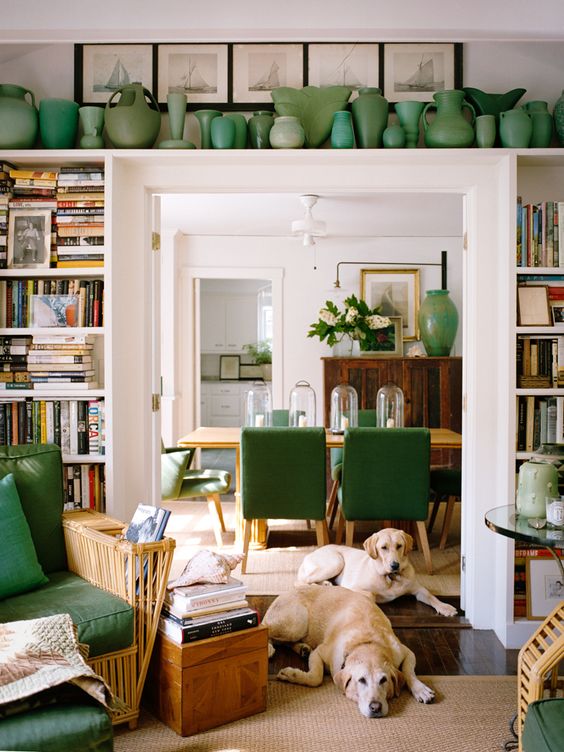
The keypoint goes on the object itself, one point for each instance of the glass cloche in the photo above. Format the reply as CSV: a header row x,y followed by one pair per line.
x,y
389,407
344,408
258,405
302,410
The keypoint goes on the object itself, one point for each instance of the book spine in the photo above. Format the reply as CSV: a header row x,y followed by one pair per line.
x,y
211,629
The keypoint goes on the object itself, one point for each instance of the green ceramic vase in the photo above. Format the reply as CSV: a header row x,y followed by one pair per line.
x,y
409,114
558,114
58,123
449,129
204,118
92,120
370,117
134,120
543,124
241,129
515,129
259,129
222,133
287,133
438,322
393,137
19,122
342,136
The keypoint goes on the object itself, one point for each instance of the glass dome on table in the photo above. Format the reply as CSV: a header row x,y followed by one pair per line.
x,y
258,405
344,408
389,407
302,412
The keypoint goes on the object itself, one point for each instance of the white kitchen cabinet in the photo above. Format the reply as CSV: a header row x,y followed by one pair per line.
x,y
228,322
224,401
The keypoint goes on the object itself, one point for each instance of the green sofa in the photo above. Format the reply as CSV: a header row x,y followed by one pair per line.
x,y
115,616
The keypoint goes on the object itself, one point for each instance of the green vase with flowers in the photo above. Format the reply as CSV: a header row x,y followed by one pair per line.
x,y
356,320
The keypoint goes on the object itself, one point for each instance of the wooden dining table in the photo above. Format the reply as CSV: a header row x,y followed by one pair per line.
x,y
229,437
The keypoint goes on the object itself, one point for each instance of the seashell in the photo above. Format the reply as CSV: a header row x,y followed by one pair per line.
x,y
206,566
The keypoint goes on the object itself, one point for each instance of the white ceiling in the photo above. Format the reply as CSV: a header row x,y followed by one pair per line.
x,y
350,215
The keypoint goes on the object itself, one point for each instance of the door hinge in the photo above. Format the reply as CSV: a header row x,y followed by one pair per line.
x,y
464,403
155,402
155,241
465,241
463,563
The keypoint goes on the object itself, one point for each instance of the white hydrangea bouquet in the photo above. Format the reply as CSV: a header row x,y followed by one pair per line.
x,y
357,320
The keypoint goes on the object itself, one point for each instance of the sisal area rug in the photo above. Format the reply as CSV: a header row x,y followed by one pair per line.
x,y
272,571
470,713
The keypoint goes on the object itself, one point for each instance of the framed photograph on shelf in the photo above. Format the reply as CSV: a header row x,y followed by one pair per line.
x,y
545,588
390,340
351,64
229,367
54,310
198,70
532,306
417,71
29,239
557,310
101,69
396,293
259,68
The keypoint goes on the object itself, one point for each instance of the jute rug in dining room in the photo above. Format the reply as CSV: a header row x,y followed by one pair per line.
x,y
273,570
471,713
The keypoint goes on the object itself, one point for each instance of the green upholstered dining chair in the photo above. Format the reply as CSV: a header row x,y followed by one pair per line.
x,y
178,482
446,484
366,419
385,476
283,477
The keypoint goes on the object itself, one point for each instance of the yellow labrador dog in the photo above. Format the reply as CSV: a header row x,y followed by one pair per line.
x,y
347,633
383,568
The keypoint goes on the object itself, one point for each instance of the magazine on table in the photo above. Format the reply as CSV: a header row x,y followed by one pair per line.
x,y
147,525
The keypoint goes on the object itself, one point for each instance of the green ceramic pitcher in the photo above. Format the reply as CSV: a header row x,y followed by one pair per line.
x,y
19,121
449,129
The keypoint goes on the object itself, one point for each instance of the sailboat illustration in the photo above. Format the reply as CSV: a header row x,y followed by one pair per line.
x,y
422,79
269,81
194,81
119,77
344,76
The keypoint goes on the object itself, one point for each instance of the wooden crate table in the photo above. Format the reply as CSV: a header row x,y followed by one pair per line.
x,y
204,684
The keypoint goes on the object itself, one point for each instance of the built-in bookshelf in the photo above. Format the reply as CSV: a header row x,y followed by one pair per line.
x,y
53,343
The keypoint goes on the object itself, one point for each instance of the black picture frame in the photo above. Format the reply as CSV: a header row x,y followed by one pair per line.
x,y
365,64
405,60
94,62
211,63
252,59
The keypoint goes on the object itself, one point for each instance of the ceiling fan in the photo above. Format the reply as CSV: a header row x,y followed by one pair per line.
x,y
308,227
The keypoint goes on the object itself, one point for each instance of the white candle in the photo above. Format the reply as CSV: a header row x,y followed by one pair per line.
x,y
259,420
390,423
302,421
344,422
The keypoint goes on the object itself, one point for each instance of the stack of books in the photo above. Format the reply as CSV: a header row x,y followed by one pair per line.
x,y
53,362
80,217
13,363
196,612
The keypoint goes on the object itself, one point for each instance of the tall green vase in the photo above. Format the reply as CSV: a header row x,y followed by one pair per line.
x,y
260,125
438,322
204,118
370,117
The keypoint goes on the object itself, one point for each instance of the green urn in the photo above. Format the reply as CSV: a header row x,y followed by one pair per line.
x,y
438,322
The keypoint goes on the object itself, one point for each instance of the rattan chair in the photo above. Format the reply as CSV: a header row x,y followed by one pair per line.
x,y
538,664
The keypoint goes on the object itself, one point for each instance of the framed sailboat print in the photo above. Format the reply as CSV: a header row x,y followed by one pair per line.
x,y
101,69
260,68
352,64
198,70
417,71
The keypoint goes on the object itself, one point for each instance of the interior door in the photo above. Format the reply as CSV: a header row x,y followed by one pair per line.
x,y
156,389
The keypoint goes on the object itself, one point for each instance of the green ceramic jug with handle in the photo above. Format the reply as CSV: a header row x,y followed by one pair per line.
x,y
449,129
132,122
19,122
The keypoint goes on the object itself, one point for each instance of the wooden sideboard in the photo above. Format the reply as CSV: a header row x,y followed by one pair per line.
x,y
432,389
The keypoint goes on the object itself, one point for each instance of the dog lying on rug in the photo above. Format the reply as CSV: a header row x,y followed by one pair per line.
x,y
383,568
346,632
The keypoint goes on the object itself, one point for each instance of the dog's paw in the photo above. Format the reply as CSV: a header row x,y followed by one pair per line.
x,y
271,650
287,674
422,692
445,609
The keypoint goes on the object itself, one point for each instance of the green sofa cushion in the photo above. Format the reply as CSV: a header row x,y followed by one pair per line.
x,y
19,569
59,728
38,472
544,726
104,621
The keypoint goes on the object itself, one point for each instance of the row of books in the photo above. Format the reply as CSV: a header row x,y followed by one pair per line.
x,y
85,487
540,361
45,302
196,612
80,217
540,233
540,420
77,426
